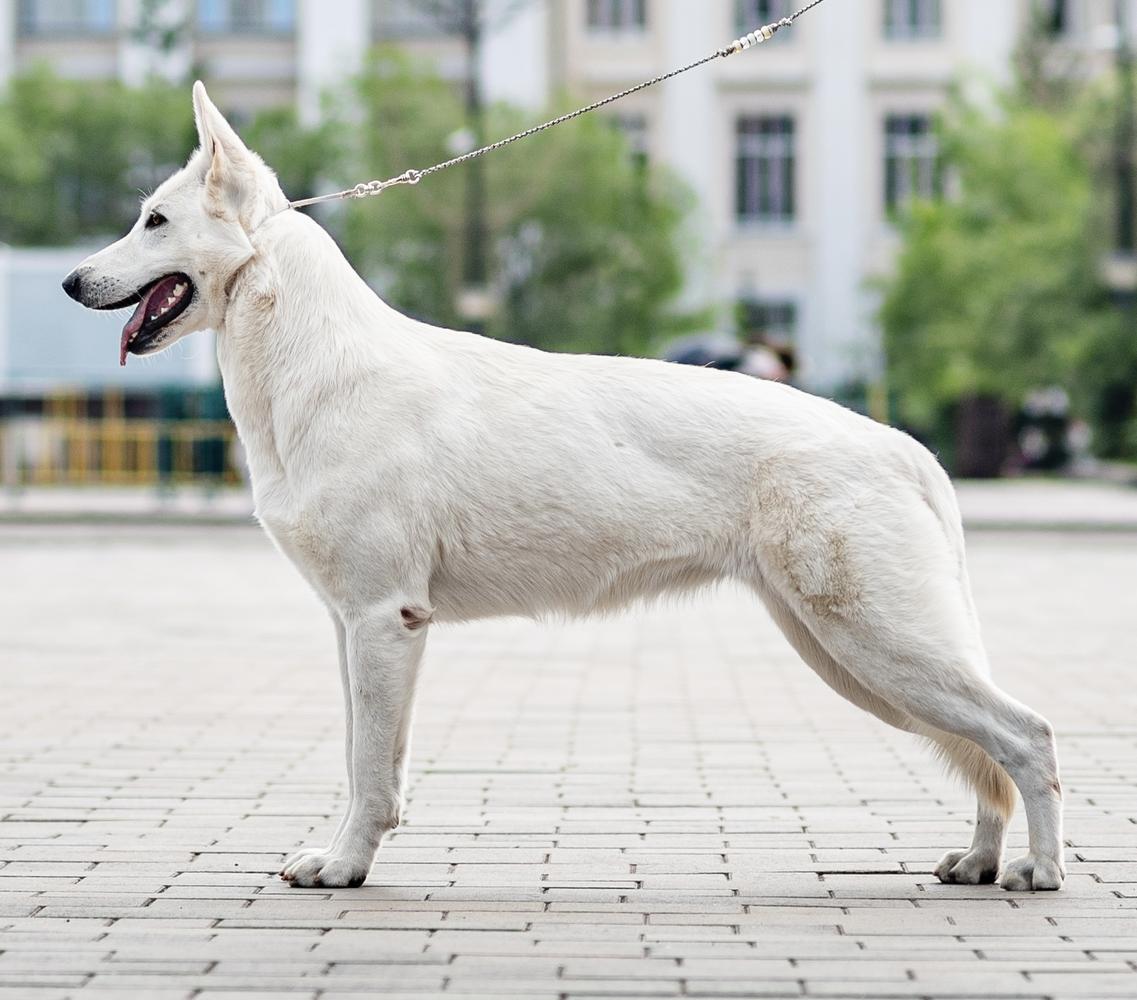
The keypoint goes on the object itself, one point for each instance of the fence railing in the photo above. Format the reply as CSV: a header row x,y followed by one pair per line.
x,y
141,452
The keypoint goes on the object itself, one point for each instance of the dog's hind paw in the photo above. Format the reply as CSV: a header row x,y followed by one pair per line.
x,y
305,852
323,869
1033,873
968,868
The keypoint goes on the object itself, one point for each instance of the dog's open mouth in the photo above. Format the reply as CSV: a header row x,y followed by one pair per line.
x,y
159,305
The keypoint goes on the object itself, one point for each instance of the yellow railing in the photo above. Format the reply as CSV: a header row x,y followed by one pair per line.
x,y
77,451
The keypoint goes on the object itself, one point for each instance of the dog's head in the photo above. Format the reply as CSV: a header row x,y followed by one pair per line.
x,y
191,239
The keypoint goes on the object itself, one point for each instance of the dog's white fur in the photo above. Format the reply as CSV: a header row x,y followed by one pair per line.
x,y
418,475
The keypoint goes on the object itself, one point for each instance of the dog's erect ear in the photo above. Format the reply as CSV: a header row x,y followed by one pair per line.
x,y
231,174
237,184
213,131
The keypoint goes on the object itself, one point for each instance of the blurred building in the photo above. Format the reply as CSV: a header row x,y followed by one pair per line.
x,y
799,151
263,53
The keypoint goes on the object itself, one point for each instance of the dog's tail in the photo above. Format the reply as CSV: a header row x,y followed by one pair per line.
x,y
975,766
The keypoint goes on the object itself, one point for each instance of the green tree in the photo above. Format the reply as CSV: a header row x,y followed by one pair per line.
x,y
73,155
584,242
300,155
998,290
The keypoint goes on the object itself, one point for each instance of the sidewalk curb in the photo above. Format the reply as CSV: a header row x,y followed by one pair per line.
x,y
179,519
126,519
1052,527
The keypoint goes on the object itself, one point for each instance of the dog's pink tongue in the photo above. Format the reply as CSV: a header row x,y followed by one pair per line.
x,y
134,324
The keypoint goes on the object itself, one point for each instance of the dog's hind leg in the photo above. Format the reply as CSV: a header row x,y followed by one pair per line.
x,y
949,693
384,644
981,862
991,784
828,669
879,584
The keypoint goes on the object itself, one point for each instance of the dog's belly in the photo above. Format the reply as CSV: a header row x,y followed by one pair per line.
x,y
583,540
530,585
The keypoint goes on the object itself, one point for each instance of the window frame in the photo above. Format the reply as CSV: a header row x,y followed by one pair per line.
x,y
912,26
767,305
89,23
766,165
635,127
227,25
913,173
744,24
1055,17
616,17
397,20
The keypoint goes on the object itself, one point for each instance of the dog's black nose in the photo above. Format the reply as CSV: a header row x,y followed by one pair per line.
x,y
73,285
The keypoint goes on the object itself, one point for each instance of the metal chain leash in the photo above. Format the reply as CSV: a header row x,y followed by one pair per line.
x,y
366,190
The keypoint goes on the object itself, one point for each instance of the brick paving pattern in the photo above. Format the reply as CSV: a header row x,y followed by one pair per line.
x,y
666,803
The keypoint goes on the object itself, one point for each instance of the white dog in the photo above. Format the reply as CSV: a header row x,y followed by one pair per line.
x,y
418,475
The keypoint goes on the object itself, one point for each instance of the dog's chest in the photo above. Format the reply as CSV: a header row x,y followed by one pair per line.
x,y
305,536
306,545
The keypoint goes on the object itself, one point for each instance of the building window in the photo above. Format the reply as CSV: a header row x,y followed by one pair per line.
x,y
912,19
1053,17
617,15
767,320
406,19
765,169
750,15
911,160
246,17
634,129
66,17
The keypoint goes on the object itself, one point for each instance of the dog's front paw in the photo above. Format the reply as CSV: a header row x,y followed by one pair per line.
x,y
968,868
325,869
1033,873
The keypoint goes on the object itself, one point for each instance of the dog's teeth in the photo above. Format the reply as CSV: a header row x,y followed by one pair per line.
x,y
179,288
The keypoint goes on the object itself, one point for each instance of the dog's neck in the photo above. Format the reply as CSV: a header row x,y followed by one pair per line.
x,y
301,327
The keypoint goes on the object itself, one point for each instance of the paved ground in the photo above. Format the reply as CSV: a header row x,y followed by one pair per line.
x,y
662,804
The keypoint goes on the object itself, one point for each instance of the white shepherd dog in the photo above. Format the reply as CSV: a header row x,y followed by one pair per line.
x,y
418,475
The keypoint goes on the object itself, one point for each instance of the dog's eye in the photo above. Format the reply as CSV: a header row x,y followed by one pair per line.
x,y
154,220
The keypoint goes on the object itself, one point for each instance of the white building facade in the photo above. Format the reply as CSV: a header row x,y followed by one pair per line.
x,y
798,151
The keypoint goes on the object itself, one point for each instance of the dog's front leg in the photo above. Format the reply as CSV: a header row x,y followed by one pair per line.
x,y
341,649
384,647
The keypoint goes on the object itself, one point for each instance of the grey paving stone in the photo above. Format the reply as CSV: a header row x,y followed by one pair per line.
x,y
657,804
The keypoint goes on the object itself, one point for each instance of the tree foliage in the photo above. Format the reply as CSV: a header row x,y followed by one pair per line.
x,y
299,154
998,290
74,155
585,242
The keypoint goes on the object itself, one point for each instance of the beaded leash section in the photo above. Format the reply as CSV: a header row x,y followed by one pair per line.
x,y
370,188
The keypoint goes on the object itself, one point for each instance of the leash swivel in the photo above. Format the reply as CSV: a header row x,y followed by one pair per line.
x,y
367,188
